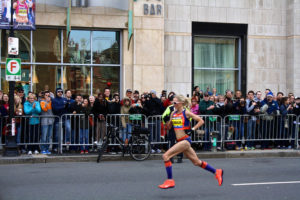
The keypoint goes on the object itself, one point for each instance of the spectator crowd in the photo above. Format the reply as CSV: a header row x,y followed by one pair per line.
x,y
51,106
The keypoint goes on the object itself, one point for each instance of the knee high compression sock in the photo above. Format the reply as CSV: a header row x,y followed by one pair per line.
x,y
168,165
207,167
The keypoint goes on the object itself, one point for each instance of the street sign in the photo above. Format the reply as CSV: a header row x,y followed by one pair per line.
x,y
13,46
13,69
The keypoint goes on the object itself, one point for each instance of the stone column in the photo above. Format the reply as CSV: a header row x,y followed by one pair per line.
x,y
293,47
148,45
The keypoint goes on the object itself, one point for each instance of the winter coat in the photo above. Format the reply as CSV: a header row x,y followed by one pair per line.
x,y
125,110
29,110
46,111
203,107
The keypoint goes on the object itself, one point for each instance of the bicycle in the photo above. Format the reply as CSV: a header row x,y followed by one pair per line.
x,y
138,146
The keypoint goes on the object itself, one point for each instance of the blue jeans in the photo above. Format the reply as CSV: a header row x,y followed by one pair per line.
x,y
58,131
251,126
47,131
126,132
84,138
56,134
67,124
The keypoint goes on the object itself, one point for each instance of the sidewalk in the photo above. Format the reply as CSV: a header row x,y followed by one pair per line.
x,y
25,159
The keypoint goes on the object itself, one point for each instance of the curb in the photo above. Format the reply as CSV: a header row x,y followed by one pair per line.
x,y
92,158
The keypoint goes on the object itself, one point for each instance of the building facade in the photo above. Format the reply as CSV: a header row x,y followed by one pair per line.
x,y
161,44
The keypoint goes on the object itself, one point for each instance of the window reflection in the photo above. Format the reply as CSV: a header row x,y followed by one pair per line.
x,y
78,79
47,45
46,78
106,47
78,48
104,77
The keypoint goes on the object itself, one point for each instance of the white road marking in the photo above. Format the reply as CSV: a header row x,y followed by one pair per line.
x,y
266,183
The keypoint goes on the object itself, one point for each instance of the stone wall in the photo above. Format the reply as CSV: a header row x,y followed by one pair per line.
x,y
161,50
148,47
293,47
269,40
100,17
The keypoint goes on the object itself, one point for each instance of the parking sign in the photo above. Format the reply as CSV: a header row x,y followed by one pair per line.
x,y
13,69
13,46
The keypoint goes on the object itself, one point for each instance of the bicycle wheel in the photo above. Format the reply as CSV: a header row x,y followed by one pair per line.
x,y
140,149
101,150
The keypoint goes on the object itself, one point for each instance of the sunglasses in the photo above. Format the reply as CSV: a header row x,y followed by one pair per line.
x,y
176,103
59,91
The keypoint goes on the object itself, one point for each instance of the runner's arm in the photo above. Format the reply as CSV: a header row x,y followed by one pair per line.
x,y
199,120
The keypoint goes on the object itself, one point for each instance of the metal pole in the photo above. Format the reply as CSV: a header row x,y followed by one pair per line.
x,y
11,148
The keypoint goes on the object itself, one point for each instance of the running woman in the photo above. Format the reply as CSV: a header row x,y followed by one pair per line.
x,y
181,124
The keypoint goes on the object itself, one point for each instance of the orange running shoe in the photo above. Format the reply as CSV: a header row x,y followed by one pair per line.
x,y
169,183
219,176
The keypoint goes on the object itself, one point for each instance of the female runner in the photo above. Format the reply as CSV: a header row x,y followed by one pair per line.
x,y
181,123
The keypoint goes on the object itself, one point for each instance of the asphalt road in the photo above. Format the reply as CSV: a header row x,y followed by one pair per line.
x,y
124,180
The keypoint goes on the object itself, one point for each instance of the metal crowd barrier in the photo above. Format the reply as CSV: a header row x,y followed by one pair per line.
x,y
76,132
158,131
263,130
297,132
32,131
125,124
210,134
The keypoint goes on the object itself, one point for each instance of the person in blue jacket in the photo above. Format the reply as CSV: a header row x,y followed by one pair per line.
x,y
61,106
270,109
33,108
269,106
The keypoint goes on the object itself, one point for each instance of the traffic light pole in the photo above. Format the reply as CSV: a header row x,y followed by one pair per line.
x,y
11,147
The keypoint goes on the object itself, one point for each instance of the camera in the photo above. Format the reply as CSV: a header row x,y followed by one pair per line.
x,y
258,104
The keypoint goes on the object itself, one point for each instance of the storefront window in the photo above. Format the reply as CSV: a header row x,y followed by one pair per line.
x,y
47,46
219,79
24,45
216,63
78,79
25,79
106,47
47,66
46,78
106,77
78,47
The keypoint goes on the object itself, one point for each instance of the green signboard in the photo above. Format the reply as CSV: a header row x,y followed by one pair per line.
x,y
13,69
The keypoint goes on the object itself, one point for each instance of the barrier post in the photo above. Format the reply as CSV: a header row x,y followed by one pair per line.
x,y
222,133
297,133
60,135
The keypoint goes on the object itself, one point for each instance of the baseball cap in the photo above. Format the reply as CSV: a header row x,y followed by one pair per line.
x,y
128,90
153,92
270,94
